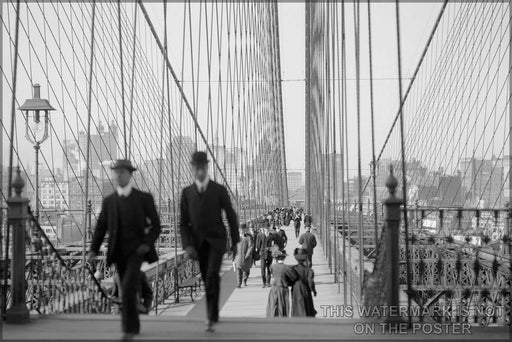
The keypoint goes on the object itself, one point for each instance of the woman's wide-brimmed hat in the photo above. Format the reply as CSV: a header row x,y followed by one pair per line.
x,y
199,158
300,254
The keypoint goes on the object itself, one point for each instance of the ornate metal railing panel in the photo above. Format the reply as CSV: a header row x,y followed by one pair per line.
x,y
56,282
164,284
459,266
458,282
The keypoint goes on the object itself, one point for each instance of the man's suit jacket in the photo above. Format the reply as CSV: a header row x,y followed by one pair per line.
x,y
283,236
201,217
274,238
308,242
143,214
261,244
264,244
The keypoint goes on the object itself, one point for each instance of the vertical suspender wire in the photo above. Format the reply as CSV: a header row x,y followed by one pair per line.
x,y
402,147
11,147
284,181
341,268
180,156
307,171
334,175
349,200
88,145
328,138
160,158
122,77
343,131
173,180
359,182
509,171
132,84
375,225
2,200
194,100
13,103
320,133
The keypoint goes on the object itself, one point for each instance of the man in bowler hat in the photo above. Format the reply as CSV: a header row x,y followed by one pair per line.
x,y
308,242
130,217
203,234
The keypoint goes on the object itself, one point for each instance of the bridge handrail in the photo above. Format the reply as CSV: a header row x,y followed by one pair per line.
x,y
464,287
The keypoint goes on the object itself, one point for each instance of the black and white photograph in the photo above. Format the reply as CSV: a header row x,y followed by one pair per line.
x,y
256,170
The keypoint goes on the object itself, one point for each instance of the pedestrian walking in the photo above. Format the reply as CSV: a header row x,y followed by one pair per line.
x,y
265,256
278,304
130,217
203,233
297,225
282,235
308,242
243,259
302,300
308,220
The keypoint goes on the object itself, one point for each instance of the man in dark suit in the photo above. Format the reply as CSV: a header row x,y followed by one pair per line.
x,y
264,244
203,233
308,220
130,217
297,225
261,248
308,242
284,237
243,260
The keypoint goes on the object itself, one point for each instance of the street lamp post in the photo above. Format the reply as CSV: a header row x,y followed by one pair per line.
x,y
36,129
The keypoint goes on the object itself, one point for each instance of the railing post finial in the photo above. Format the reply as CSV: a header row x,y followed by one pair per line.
x,y
391,181
18,183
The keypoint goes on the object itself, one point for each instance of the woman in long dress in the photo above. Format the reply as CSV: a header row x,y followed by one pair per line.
x,y
302,300
283,276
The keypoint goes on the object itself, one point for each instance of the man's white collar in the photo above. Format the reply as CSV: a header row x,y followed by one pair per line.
x,y
126,191
202,185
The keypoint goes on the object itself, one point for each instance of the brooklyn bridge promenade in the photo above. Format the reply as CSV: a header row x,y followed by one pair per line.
x,y
407,181
243,316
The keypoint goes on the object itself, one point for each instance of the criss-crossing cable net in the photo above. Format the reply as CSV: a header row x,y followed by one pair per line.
x,y
167,79
456,113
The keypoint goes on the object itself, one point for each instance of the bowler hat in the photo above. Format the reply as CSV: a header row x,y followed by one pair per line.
x,y
199,158
123,164
300,254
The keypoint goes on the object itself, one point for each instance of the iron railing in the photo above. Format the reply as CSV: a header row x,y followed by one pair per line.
x,y
459,262
56,281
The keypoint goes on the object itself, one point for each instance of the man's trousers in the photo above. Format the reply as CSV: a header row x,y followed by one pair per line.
x,y
129,274
265,269
210,261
